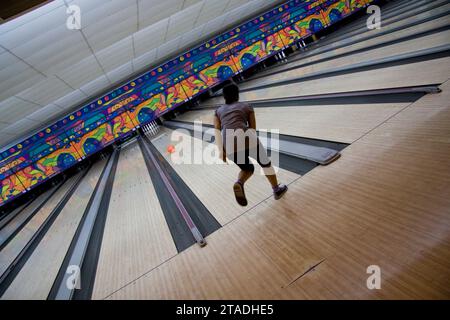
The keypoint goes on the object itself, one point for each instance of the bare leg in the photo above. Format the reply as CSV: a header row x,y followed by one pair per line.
x,y
278,189
264,161
273,180
244,176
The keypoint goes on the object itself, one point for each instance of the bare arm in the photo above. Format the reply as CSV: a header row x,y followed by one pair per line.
x,y
252,121
218,137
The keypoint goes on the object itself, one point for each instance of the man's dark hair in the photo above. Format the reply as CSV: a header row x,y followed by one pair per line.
x,y
231,93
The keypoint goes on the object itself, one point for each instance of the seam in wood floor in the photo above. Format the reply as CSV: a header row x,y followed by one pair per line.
x,y
310,269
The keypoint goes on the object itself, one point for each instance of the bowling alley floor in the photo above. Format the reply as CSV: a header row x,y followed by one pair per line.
x,y
384,203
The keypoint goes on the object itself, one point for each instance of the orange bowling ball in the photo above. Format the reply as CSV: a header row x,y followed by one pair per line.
x,y
170,148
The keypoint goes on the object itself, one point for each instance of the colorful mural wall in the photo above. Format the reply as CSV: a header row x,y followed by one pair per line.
x,y
161,89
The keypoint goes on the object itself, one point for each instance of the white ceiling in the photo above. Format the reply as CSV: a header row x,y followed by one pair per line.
x,y
46,70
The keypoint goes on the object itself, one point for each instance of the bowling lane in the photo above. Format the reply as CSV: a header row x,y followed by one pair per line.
x,y
15,246
405,47
213,183
337,46
391,13
136,238
9,216
37,276
340,123
406,14
422,15
24,213
406,75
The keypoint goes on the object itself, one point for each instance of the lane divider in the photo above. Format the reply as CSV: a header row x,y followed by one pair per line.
x,y
66,291
181,208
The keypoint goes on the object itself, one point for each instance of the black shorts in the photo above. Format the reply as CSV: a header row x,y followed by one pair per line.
x,y
242,158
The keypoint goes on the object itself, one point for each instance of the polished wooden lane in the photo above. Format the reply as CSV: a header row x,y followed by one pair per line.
x,y
37,276
136,236
15,246
343,44
21,215
384,203
340,123
412,74
406,47
407,12
314,54
407,75
212,183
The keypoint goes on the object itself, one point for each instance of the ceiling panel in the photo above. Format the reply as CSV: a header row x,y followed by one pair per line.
x,y
15,75
94,11
8,63
46,113
96,86
28,31
188,3
19,82
21,127
150,37
167,48
211,10
117,54
31,15
182,21
14,108
214,25
46,91
152,11
191,37
233,4
52,56
71,99
121,73
81,73
5,138
3,125
145,60
111,29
